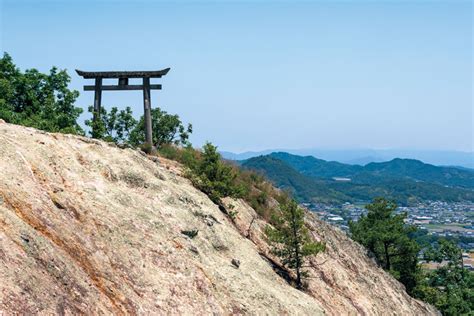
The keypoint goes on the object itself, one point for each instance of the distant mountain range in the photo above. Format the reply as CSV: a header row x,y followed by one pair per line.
x,y
365,156
406,180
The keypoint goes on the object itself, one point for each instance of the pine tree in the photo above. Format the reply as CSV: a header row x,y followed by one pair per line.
x,y
215,177
290,239
385,234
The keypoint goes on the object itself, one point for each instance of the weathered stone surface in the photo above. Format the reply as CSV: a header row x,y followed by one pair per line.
x,y
343,280
88,228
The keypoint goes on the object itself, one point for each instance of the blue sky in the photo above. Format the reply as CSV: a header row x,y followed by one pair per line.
x,y
264,74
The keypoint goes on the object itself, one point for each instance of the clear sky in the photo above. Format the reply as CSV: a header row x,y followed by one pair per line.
x,y
264,74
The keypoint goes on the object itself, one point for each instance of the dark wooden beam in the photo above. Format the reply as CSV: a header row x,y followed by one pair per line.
x,y
123,82
147,112
126,87
98,94
97,100
122,74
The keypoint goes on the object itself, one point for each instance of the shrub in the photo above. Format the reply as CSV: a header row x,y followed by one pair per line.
x,y
114,126
219,178
449,287
188,156
214,177
167,129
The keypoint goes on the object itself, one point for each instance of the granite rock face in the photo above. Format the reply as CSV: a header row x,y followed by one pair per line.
x,y
89,228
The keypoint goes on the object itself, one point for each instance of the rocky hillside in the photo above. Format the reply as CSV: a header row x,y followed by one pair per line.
x,y
88,228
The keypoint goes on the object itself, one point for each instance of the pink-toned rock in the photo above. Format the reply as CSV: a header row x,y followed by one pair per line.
x,y
343,280
88,228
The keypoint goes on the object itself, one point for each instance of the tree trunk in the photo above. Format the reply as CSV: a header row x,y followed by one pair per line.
x,y
387,256
299,284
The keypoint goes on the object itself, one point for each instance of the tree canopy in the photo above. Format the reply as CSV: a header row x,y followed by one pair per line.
x,y
120,126
114,126
38,100
450,287
44,101
167,129
387,237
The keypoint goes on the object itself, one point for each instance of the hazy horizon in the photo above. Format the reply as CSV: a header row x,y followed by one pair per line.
x,y
347,149
258,75
363,156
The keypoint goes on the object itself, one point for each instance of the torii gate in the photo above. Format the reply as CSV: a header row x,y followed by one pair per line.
x,y
123,77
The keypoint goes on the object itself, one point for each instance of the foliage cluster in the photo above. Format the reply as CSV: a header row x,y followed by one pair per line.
x,y
424,239
121,127
219,178
386,236
450,287
290,239
213,176
114,126
38,100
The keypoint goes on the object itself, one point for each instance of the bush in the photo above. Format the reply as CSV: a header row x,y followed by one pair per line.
x,y
167,129
114,126
213,176
449,287
248,185
188,156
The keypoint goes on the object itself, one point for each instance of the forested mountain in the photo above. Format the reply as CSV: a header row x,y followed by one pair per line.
x,y
364,156
406,181
304,188
317,168
417,170
394,169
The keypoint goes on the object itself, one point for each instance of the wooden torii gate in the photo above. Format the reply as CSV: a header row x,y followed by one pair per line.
x,y
123,77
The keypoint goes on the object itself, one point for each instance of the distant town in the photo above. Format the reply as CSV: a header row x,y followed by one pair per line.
x,y
441,219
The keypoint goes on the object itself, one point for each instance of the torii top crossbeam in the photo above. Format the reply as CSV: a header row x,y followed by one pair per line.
x,y
123,77
122,74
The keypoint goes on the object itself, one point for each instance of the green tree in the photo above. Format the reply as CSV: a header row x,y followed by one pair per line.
x,y
167,129
290,239
115,126
213,176
38,100
387,237
451,286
